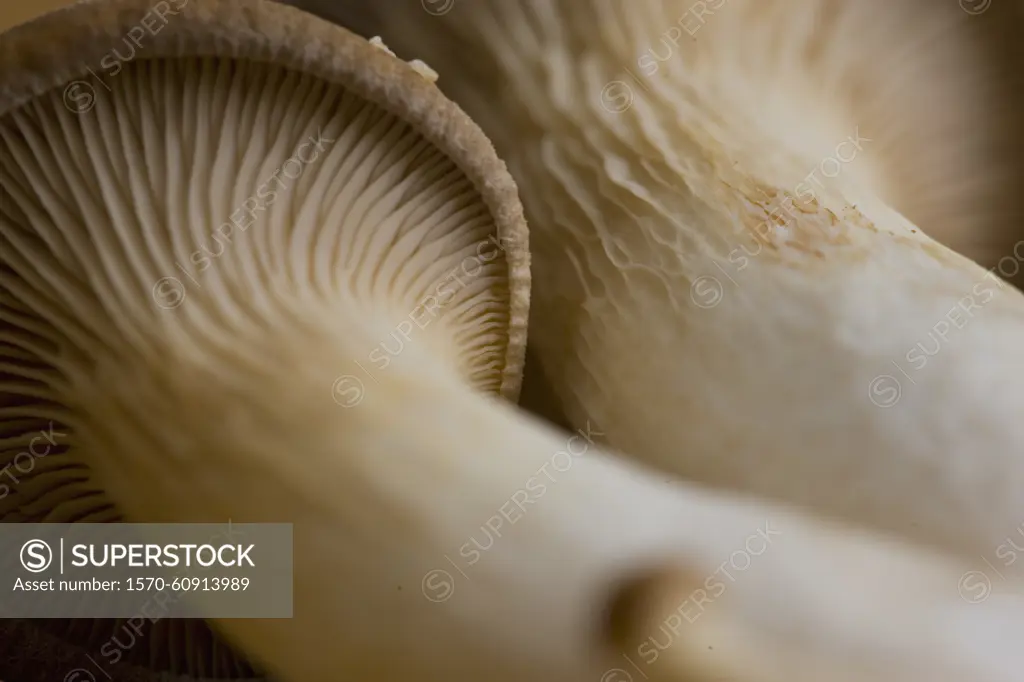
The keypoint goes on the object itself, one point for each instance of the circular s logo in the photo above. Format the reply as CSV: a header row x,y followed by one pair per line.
x,y
437,8
885,391
169,293
36,556
975,7
348,391
975,587
616,97
438,586
79,97
706,292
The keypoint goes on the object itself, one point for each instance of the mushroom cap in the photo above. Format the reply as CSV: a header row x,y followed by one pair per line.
x,y
264,31
256,32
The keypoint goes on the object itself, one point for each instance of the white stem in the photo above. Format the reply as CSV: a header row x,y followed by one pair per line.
x,y
440,535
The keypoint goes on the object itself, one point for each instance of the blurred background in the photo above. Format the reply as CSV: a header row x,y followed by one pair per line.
x,y
16,11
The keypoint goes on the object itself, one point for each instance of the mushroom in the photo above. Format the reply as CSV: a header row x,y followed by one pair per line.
x,y
441,535
728,287
179,180
243,399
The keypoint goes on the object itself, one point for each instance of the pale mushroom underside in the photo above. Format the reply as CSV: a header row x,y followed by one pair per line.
x,y
164,213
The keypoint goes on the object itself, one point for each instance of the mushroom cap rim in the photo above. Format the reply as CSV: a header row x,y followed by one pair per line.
x,y
273,33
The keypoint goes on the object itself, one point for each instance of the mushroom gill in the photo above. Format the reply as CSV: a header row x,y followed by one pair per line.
x,y
184,200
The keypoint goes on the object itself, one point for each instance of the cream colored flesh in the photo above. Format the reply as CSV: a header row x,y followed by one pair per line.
x,y
174,216
713,310
439,535
227,405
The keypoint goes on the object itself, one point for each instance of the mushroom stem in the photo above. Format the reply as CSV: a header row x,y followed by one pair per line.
x,y
727,286
442,535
